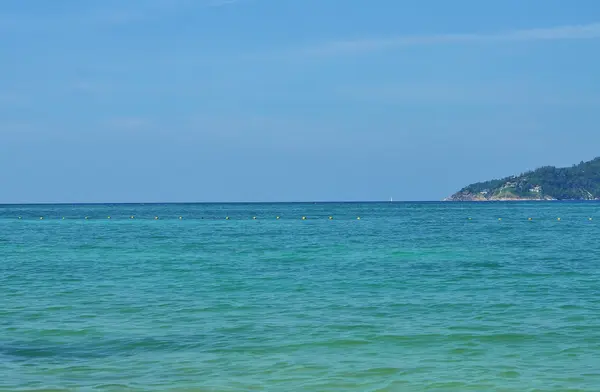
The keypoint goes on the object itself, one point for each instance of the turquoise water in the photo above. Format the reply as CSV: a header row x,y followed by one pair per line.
x,y
411,297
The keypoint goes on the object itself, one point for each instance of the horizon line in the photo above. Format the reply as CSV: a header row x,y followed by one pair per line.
x,y
220,202
285,202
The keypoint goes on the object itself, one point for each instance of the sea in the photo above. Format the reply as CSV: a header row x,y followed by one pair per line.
x,y
498,296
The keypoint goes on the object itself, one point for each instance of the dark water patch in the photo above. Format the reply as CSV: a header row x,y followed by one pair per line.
x,y
570,307
509,374
404,254
67,333
467,351
27,352
575,319
483,264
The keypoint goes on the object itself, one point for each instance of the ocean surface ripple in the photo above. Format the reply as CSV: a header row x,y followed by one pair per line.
x,y
410,297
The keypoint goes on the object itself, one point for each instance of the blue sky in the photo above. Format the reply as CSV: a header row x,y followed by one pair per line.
x,y
289,100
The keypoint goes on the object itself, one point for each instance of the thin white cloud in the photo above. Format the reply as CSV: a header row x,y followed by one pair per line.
x,y
491,93
9,98
587,31
129,123
88,87
220,3
126,14
17,128
123,13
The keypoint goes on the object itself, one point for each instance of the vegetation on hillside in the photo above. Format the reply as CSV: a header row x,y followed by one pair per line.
x,y
579,182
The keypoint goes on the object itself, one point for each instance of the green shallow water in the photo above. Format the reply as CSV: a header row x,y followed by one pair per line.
x,y
411,297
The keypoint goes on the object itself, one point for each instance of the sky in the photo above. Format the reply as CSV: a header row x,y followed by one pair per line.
x,y
290,100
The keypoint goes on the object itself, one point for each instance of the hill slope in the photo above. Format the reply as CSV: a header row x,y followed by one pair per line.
x,y
579,182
